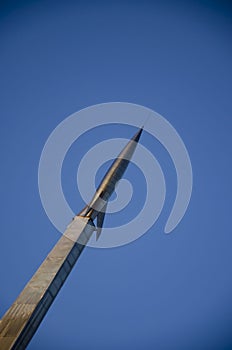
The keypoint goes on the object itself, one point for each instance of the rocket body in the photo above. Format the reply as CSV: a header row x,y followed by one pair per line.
x,y
97,206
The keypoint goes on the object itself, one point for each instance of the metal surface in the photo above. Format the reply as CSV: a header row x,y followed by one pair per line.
x,y
21,321
98,204
25,315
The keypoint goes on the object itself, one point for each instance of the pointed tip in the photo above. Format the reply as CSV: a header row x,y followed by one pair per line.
x,y
136,137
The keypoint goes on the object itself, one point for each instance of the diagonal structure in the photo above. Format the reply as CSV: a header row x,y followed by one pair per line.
x,y
21,321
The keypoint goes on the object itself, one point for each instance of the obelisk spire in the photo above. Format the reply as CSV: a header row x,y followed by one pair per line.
x,y
21,321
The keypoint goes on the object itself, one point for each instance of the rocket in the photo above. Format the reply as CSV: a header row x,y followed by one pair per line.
x,y
98,204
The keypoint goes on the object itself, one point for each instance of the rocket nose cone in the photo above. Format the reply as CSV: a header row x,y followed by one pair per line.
x,y
136,137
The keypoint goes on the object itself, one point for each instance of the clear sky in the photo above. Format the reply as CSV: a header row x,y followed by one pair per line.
x,y
162,291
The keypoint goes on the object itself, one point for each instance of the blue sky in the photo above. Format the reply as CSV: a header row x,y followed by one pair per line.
x,y
162,291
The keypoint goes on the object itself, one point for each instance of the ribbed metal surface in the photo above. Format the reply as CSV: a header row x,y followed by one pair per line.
x,y
23,318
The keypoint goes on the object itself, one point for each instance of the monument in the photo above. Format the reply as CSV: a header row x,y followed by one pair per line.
x,y
21,321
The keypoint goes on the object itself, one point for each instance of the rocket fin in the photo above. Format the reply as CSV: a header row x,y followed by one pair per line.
x,y
100,220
